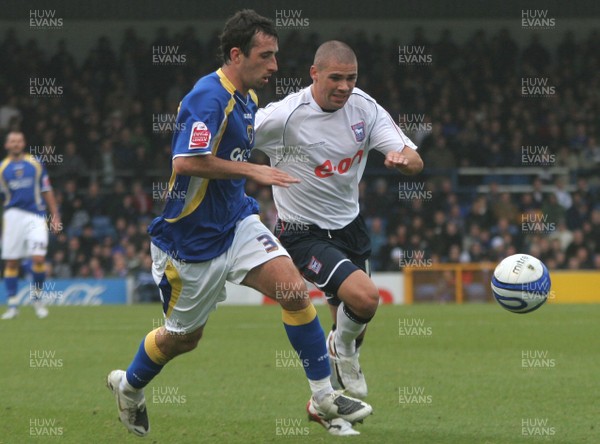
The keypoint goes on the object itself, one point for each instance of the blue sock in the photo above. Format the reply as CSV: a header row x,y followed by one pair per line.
x,y
308,339
147,363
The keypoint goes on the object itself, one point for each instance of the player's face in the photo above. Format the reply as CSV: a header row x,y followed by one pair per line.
x,y
15,144
333,84
260,64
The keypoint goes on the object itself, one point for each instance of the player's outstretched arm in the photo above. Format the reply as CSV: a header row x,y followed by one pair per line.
x,y
212,167
406,161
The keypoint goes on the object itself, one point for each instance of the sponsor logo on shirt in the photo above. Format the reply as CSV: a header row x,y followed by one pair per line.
x,y
200,136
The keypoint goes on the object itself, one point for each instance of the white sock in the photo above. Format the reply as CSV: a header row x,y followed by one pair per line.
x,y
346,332
130,390
320,388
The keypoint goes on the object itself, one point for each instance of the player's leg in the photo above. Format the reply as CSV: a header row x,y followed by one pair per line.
x,y
37,294
189,292
262,263
359,301
14,247
11,280
37,246
346,285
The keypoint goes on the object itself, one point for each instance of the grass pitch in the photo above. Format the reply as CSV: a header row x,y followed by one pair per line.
x,y
436,374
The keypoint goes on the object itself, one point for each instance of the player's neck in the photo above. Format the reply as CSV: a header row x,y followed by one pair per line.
x,y
16,156
235,80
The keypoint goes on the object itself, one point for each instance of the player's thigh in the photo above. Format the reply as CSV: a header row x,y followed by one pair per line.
x,y
260,261
321,262
189,291
37,236
14,233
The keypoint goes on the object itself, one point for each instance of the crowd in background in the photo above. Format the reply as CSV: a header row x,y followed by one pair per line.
x,y
106,136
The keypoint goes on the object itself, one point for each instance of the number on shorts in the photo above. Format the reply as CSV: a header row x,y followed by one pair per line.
x,y
268,242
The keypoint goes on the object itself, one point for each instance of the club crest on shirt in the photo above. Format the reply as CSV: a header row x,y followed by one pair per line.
x,y
315,265
250,132
200,136
359,131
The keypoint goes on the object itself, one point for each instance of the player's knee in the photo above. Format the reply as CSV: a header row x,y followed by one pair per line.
x,y
292,295
365,302
177,344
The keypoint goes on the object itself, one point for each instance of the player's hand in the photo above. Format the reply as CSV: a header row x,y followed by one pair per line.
x,y
55,224
266,175
395,160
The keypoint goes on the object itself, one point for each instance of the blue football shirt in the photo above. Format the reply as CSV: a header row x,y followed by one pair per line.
x,y
200,215
22,183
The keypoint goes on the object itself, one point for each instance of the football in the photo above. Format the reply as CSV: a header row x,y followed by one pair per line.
x,y
521,283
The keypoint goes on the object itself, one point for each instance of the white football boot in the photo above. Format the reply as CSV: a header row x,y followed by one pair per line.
x,y
132,413
337,405
40,309
11,313
335,426
345,371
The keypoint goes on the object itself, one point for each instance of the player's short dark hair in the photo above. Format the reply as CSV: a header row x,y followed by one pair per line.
x,y
239,32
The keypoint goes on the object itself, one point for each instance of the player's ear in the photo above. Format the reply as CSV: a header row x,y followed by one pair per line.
x,y
234,54
313,73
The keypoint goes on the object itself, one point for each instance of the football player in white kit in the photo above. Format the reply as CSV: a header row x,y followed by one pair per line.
x,y
25,185
322,135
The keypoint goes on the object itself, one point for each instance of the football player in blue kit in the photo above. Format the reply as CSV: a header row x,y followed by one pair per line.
x,y
210,231
27,192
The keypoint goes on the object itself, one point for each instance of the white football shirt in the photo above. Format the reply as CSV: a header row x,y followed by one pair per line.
x,y
327,151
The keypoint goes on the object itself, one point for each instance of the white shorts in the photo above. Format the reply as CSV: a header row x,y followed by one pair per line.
x,y
24,234
191,291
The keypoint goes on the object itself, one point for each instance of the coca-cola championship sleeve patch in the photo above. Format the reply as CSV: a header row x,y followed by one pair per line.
x,y
199,137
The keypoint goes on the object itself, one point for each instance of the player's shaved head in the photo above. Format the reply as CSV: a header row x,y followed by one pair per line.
x,y
334,51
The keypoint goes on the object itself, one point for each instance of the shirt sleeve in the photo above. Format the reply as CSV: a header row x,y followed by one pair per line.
x,y
386,136
269,125
198,121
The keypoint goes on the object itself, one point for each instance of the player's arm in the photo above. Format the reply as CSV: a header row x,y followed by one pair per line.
x,y
212,167
400,152
406,161
55,222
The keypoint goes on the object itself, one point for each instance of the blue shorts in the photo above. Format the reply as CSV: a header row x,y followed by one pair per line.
x,y
327,257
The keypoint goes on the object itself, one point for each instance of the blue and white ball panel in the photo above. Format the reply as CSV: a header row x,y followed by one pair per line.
x,y
521,283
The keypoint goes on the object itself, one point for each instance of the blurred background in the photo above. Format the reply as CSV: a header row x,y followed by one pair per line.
x,y
502,100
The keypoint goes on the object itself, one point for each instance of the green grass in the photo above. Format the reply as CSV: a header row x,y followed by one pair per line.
x,y
230,390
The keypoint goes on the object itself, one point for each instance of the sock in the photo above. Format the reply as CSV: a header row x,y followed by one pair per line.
x,y
320,388
39,276
11,280
348,327
308,339
147,363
